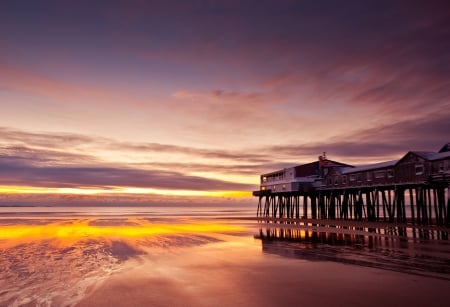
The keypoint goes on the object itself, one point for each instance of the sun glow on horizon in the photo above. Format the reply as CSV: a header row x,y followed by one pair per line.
x,y
120,191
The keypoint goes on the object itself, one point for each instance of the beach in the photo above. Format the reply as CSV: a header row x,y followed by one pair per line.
x,y
208,257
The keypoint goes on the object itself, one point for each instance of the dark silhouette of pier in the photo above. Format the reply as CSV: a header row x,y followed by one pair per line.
x,y
412,190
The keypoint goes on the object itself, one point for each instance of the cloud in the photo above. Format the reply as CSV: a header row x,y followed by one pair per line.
x,y
33,157
427,131
72,160
14,78
384,142
251,85
43,139
249,169
222,97
19,171
57,144
46,157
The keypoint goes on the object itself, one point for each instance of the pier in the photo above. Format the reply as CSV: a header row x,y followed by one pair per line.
x,y
412,190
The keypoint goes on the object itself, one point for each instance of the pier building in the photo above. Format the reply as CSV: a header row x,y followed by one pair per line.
x,y
413,189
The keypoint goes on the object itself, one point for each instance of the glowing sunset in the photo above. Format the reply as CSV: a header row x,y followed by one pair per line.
x,y
224,153
198,98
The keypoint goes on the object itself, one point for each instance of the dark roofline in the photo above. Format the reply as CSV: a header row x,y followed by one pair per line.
x,y
445,148
421,154
373,166
332,162
427,155
339,163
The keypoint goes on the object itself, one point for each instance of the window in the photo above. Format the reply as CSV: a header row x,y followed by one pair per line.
x,y
358,178
344,179
441,167
369,176
352,177
329,181
284,187
379,174
419,169
263,188
390,173
264,179
335,180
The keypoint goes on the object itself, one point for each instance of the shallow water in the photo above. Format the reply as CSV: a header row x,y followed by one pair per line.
x,y
206,256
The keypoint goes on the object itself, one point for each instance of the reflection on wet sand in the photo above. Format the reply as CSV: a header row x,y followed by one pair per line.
x,y
396,251
183,261
57,262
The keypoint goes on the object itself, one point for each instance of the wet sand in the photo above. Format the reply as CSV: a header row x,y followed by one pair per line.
x,y
218,275
184,261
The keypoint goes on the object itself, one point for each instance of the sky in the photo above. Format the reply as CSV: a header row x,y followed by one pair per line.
x,y
188,102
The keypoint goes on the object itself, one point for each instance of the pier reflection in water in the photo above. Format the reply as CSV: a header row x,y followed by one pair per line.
x,y
421,252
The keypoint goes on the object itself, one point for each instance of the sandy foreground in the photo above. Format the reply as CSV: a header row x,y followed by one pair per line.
x,y
132,262
219,275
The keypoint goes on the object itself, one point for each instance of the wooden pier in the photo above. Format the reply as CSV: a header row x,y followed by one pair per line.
x,y
412,190
417,204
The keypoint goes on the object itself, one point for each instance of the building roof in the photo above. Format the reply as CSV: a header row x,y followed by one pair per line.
x,y
445,148
440,155
423,154
429,156
368,167
314,168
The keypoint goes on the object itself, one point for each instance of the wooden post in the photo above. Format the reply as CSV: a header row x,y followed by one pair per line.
x,y
435,201
344,209
332,207
354,207
418,205
425,206
384,204
274,206
394,204
370,207
429,205
377,204
403,205
322,211
305,206
400,199
280,206
447,213
441,198
267,206
359,205
293,206
441,204
411,200
314,205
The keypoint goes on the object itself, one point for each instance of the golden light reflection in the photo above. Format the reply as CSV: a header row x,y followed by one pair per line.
x,y
120,190
67,233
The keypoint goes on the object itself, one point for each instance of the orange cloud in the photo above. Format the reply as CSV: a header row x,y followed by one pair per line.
x,y
37,84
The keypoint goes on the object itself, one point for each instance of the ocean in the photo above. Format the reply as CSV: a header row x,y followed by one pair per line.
x,y
212,256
